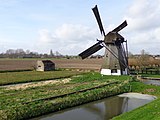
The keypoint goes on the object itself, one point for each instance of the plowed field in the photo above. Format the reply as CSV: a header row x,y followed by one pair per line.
x,y
23,64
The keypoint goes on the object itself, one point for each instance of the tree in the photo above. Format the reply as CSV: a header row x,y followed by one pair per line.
x,y
27,51
10,51
143,59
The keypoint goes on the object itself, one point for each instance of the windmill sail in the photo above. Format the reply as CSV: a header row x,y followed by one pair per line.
x,y
120,27
96,13
91,50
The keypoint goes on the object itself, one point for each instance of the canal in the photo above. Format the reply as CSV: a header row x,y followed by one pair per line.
x,y
151,82
103,109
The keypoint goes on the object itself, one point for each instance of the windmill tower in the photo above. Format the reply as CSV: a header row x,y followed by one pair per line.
x,y
115,57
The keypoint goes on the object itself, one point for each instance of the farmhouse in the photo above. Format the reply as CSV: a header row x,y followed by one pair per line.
x,y
45,65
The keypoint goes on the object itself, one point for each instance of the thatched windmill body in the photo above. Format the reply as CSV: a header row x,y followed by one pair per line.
x,y
115,58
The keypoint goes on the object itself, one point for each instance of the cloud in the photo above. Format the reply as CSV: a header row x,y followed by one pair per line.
x,y
142,31
143,26
144,14
45,36
68,38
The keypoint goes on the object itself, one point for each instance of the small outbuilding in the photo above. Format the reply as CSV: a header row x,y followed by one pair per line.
x,y
45,65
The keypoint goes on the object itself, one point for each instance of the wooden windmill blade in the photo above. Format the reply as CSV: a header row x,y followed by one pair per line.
x,y
96,47
125,58
96,13
125,55
120,27
122,57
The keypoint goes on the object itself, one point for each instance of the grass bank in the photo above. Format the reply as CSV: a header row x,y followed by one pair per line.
x,y
34,101
151,76
7,78
150,111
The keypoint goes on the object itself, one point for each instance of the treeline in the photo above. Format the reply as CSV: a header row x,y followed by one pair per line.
x,y
20,53
144,59
144,63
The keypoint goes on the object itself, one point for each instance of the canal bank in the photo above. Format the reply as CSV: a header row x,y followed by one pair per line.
x,y
149,111
149,80
104,109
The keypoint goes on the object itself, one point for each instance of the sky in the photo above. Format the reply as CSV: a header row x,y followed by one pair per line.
x,y
70,27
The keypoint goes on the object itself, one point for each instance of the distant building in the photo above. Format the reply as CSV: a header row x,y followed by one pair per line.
x,y
45,65
157,57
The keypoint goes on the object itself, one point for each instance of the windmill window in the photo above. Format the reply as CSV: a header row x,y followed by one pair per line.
x,y
115,66
114,71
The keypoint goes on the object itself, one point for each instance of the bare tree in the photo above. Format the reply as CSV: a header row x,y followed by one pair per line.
x,y
143,59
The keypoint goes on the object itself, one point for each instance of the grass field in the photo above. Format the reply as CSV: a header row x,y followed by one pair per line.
x,y
38,99
32,76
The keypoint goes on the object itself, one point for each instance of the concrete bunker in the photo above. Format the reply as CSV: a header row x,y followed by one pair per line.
x,y
45,65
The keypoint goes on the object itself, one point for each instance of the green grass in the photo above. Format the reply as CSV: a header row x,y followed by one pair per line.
x,y
150,111
152,76
31,76
31,102
145,89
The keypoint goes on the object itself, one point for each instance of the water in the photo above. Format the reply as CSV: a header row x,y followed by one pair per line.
x,y
152,82
101,110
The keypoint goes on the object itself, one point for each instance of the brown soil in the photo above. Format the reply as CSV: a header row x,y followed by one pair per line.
x,y
23,64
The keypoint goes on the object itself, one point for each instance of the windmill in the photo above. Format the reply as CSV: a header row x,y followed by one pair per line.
x,y
116,57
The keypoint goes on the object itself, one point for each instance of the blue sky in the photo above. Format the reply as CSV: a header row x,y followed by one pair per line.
x,y
70,26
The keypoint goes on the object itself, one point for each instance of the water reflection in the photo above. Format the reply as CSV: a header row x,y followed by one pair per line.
x,y
100,110
106,108
152,82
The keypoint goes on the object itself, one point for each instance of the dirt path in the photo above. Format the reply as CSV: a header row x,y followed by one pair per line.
x,y
24,86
